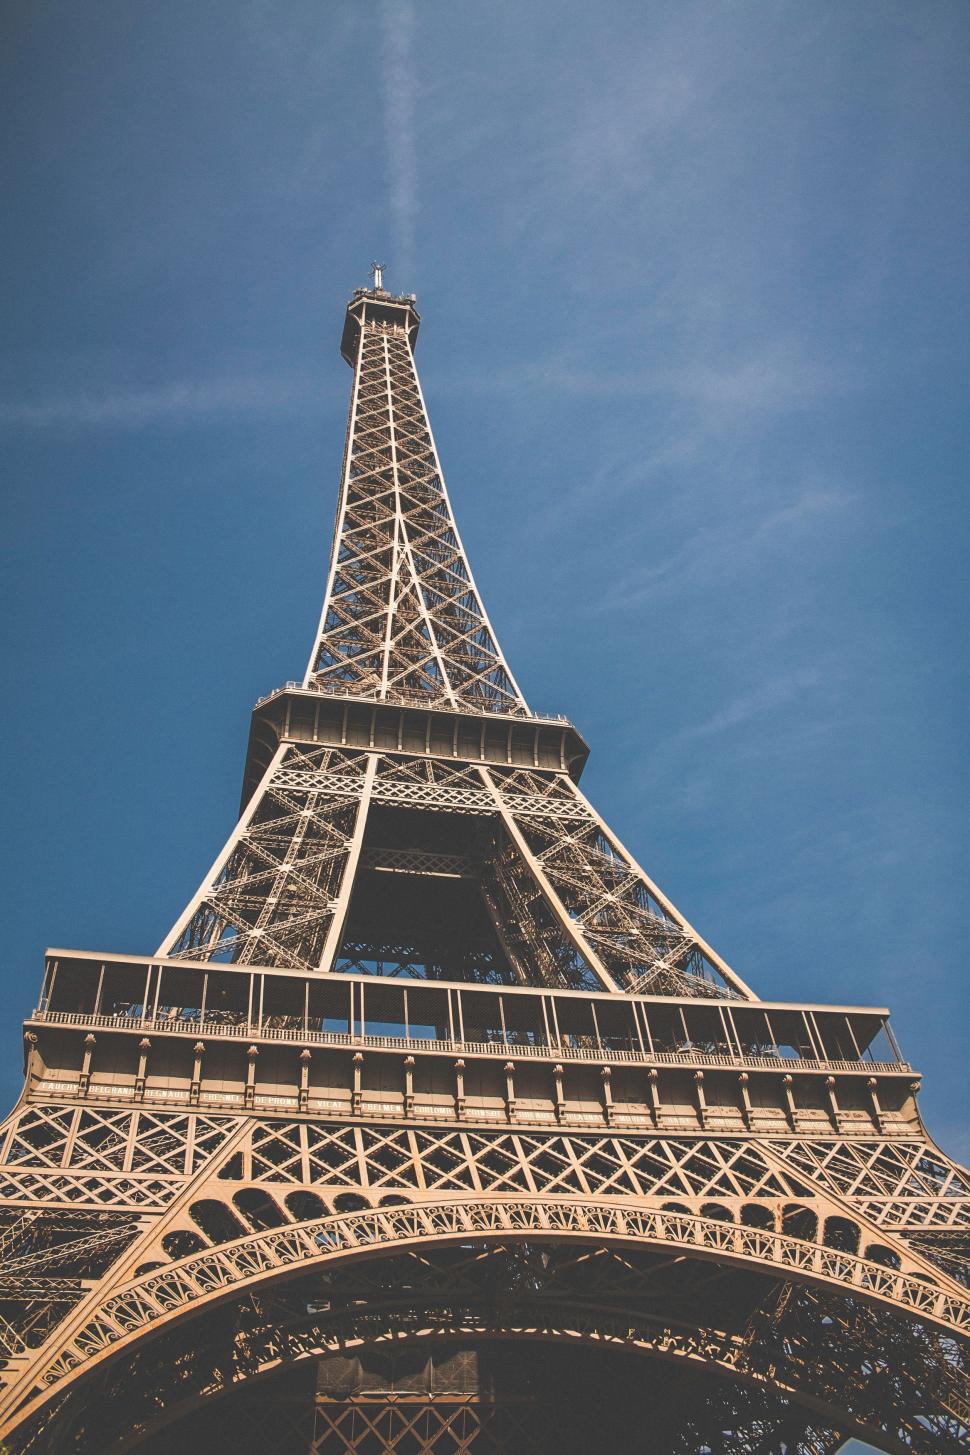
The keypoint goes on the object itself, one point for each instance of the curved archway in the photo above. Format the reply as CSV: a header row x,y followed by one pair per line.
x,y
718,1211
351,1202
272,1340
304,1205
259,1209
147,1307
217,1220
181,1243
878,1253
798,1221
842,1234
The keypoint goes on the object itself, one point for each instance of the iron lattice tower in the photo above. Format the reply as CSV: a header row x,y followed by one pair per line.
x,y
433,1126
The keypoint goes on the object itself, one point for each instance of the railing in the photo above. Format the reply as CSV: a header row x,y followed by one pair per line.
x,y
412,700
598,1051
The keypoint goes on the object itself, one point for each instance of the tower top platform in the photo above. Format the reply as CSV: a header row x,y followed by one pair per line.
x,y
376,305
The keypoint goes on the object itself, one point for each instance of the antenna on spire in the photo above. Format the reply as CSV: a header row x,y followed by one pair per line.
x,y
378,271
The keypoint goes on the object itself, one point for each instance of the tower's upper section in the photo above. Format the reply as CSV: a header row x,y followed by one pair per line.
x,y
402,619
376,306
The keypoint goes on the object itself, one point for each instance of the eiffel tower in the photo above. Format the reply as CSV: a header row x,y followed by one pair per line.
x,y
433,1127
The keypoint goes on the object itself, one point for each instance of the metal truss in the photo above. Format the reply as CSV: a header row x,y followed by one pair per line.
x,y
100,1156
732,1204
402,620
159,1296
471,1160
569,905
900,1183
96,1157
497,1211
272,895
50,1257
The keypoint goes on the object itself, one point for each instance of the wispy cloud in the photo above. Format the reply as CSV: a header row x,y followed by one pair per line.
x,y
779,376
783,715
175,402
718,552
400,101
777,691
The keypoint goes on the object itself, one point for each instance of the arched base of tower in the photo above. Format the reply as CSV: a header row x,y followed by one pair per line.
x,y
481,1347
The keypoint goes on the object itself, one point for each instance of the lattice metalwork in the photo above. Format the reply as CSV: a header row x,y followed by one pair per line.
x,y
403,1159
48,1256
272,896
898,1182
569,907
626,931
402,620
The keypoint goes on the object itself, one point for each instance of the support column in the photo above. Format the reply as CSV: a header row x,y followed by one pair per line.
x,y
144,1046
560,1100
571,928
336,931
195,1089
872,1086
606,1076
84,1080
701,1098
304,1096
654,1095
786,1084
251,1054
509,1069
743,1079
833,1101
30,1056
357,1094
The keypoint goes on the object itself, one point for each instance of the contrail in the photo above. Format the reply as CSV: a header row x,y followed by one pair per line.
x,y
177,402
400,95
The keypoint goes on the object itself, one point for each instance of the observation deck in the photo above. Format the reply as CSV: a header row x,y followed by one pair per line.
x,y
418,729
376,305
214,1035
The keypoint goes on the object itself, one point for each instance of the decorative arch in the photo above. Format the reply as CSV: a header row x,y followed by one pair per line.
x,y
147,1307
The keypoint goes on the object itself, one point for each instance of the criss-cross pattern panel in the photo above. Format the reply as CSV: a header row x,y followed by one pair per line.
x,y
431,784
92,1156
616,919
272,895
402,619
416,1158
415,1425
906,1184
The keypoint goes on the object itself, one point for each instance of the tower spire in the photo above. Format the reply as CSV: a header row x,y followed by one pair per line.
x,y
402,619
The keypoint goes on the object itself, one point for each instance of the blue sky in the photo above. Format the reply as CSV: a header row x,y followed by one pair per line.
x,y
695,347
